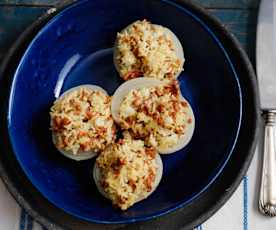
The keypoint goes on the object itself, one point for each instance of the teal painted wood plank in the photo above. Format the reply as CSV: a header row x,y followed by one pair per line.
x,y
235,16
242,23
239,4
13,22
30,2
224,4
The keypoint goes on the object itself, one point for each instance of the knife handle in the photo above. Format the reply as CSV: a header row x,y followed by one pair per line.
x,y
267,200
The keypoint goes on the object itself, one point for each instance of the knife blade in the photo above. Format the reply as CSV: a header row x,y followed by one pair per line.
x,y
266,71
265,55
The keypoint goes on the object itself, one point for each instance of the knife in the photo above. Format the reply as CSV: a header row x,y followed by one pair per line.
x,y
266,72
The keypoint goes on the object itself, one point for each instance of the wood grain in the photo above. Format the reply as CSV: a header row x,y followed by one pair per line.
x,y
242,23
239,16
13,21
237,4
30,2
229,4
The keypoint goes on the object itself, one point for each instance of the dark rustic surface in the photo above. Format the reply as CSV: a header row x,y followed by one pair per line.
x,y
239,16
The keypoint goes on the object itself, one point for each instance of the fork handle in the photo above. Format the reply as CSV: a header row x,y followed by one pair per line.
x,y
267,199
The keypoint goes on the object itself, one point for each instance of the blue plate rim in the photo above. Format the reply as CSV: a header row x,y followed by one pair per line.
x,y
221,167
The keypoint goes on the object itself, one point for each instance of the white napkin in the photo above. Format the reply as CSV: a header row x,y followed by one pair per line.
x,y
239,213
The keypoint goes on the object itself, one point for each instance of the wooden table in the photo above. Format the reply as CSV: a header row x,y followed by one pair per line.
x,y
239,16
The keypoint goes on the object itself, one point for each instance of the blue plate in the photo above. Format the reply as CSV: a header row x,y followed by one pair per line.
x,y
75,48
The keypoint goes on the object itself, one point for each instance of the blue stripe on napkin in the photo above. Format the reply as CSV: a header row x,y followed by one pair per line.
x,y
29,223
22,221
245,203
199,227
26,221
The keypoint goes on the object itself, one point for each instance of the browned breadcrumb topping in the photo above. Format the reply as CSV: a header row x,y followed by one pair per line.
x,y
145,49
81,121
128,170
159,115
